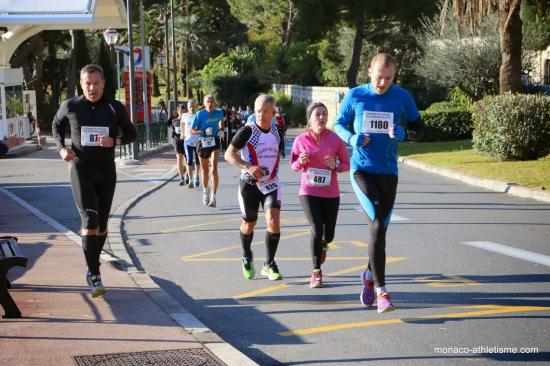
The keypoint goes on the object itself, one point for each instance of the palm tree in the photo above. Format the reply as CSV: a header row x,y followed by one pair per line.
x,y
192,48
470,12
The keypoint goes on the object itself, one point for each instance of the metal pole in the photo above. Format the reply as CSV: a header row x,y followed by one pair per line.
x,y
135,147
118,73
144,81
174,54
167,45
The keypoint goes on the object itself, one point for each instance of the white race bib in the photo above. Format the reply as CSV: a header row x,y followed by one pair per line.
x,y
318,177
208,142
268,186
89,135
177,130
377,122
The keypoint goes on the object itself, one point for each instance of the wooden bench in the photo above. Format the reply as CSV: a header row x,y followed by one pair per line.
x,y
10,256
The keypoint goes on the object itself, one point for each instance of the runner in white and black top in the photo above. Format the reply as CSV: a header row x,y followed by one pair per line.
x,y
256,150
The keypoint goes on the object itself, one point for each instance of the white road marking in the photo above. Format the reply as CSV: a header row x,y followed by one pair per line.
x,y
511,251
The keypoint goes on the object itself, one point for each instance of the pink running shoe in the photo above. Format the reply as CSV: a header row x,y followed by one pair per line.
x,y
367,295
316,279
384,303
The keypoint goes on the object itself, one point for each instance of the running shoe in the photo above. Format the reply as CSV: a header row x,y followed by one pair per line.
x,y
205,197
197,182
212,202
271,271
191,185
182,181
367,294
186,179
316,280
94,281
384,303
248,268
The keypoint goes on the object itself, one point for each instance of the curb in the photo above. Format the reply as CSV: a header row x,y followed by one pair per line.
x,y
119,247
493,185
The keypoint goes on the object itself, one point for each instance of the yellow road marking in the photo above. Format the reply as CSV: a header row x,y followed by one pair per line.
x,y
226,249
357,243
285,285
447,281
490,310
209,223
279,259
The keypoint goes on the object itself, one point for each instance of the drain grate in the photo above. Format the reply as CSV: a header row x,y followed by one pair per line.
x,y
176,357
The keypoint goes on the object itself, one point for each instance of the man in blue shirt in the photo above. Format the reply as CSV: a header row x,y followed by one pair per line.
x,y
207,123
375,110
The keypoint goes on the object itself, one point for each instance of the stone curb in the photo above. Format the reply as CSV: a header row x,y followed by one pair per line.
x,y
493,185
119,246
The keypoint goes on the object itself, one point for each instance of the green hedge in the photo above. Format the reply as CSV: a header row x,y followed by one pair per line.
x,y
512,127
445,121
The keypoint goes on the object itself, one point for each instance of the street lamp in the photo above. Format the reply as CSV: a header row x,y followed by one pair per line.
x,y
111,38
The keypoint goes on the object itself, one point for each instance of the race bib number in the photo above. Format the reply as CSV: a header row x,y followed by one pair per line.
x,y
177,130
377,122
268,186
89,135
208,142
318,177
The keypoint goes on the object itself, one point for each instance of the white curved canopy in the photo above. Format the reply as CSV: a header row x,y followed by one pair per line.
x,y
25,18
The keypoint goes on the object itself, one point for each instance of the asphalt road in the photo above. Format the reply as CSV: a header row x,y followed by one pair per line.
x,y
458,301
448,293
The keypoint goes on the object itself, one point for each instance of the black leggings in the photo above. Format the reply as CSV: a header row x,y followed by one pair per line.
x,y
376,193
321,213
93,191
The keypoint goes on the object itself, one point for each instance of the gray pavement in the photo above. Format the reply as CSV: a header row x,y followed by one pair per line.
x,y
61,321
200,294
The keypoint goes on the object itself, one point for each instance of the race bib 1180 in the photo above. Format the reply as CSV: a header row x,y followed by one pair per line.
x,y
377,122
89,135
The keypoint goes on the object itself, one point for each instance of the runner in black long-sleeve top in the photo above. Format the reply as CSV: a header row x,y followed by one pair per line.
x,y
97,124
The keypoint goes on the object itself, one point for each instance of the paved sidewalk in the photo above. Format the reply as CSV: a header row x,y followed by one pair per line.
x,y
60,320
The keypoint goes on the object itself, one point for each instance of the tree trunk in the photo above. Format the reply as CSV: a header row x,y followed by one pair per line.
x,y
156,88
356,56
510,46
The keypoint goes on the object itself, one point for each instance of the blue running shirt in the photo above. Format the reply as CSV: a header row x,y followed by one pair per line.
x,y
203,120
372,114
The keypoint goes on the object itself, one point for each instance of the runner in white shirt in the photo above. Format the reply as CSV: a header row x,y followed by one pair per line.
x,y
256,149
190,144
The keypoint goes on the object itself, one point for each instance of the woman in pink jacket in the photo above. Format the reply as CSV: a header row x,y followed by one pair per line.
x,y
319,154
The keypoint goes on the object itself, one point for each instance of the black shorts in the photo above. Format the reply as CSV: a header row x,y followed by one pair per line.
x,y
205,152
178,146
250,198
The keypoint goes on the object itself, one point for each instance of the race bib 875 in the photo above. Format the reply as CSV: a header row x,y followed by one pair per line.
x,y
377,122
89,135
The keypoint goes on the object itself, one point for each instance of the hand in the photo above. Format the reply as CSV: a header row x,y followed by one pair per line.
x,y
359,140
13,141
182,136
331,162
303,158
255,171
397,131
67,154
106,141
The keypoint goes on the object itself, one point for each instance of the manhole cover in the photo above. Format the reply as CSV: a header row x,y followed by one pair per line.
x,y
179,357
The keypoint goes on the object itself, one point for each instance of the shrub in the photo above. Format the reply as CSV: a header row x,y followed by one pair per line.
x,y
445,121
296,114
512,127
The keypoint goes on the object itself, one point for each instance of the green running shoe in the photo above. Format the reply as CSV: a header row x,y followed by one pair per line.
x,y
271,271
248,268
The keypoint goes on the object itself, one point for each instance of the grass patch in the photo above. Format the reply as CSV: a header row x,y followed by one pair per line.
x,y
459,156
